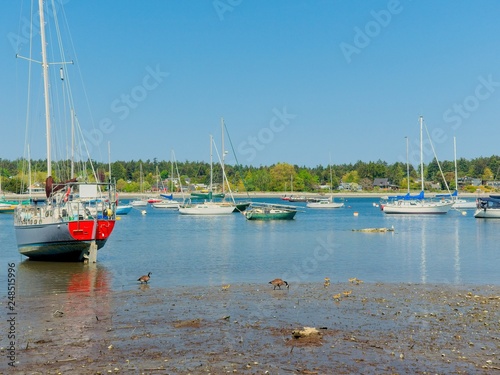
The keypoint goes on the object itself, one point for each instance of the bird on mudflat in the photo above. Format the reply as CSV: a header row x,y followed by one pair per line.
x,y
144,278
278,283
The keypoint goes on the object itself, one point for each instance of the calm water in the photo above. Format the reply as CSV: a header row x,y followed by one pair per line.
x,y
186,250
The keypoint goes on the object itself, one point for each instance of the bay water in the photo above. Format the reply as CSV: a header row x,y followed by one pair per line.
x,y
192,251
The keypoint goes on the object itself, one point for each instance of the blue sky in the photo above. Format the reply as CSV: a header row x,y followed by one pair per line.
x,y
295,81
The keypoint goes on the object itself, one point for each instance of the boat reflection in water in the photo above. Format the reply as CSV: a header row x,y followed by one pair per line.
x,y
66,302
45,278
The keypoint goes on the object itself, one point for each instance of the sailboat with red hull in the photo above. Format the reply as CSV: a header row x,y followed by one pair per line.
x,y
78,216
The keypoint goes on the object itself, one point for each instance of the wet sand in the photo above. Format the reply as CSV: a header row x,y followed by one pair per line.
x,y
251,329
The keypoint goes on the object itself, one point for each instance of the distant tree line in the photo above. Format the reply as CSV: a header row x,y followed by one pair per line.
x,y
281,177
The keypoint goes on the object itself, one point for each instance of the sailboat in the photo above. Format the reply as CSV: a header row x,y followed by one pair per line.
x,y
79,216
408,204
168,201
209,206
326,202
488,207
9,206
140,202
459,203
6,207
240,205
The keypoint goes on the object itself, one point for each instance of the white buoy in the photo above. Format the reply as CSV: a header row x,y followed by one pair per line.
x,y
356,213
464,213
143,212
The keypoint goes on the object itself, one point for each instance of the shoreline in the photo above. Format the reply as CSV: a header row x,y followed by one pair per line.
x,y
377,195
250,328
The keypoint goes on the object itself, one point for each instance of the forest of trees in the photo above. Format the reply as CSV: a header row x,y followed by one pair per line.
x,y
277,177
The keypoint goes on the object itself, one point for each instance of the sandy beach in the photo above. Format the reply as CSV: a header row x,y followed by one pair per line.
x,y
253,329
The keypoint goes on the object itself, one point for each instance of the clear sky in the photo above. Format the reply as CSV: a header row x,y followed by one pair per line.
x,y
295,81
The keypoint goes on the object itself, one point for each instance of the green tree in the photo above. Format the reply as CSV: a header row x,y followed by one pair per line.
x,y
118,171
351,177
309,180
487,174
282,174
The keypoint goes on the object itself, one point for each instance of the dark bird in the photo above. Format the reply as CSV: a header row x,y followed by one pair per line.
x,y
144,278
278,283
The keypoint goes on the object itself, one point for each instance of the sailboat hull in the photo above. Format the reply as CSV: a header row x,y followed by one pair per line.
x,y
417,207
487,213
325,203
63,241
206,209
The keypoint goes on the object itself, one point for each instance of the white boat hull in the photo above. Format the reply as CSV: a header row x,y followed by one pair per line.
x,y
206,209
167,205
462,204
491,213
417,207
325,204
139,203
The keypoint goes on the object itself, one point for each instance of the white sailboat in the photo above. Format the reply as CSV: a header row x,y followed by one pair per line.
x,y
488,207
416,204
459,203
79,216
208,207
326,202
168,201
140,202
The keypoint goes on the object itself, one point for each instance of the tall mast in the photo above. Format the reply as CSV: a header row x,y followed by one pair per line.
x,y
109,160
211,167
455,157
331,176
172,172
407,167
421,155
29,172
73,144
45,68
223,154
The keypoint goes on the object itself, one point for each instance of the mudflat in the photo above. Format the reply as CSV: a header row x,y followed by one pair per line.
x,y
355,327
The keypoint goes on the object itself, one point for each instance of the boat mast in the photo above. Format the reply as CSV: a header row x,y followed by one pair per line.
x,y
421,155
109,160
223,153
407,167
45,68
211,167
331,177
29,172
172,171
455,156
73,144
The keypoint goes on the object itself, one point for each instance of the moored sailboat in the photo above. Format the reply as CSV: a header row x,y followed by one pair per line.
x,y
269,211
326,202
78,217
408,204
209,206
488,207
